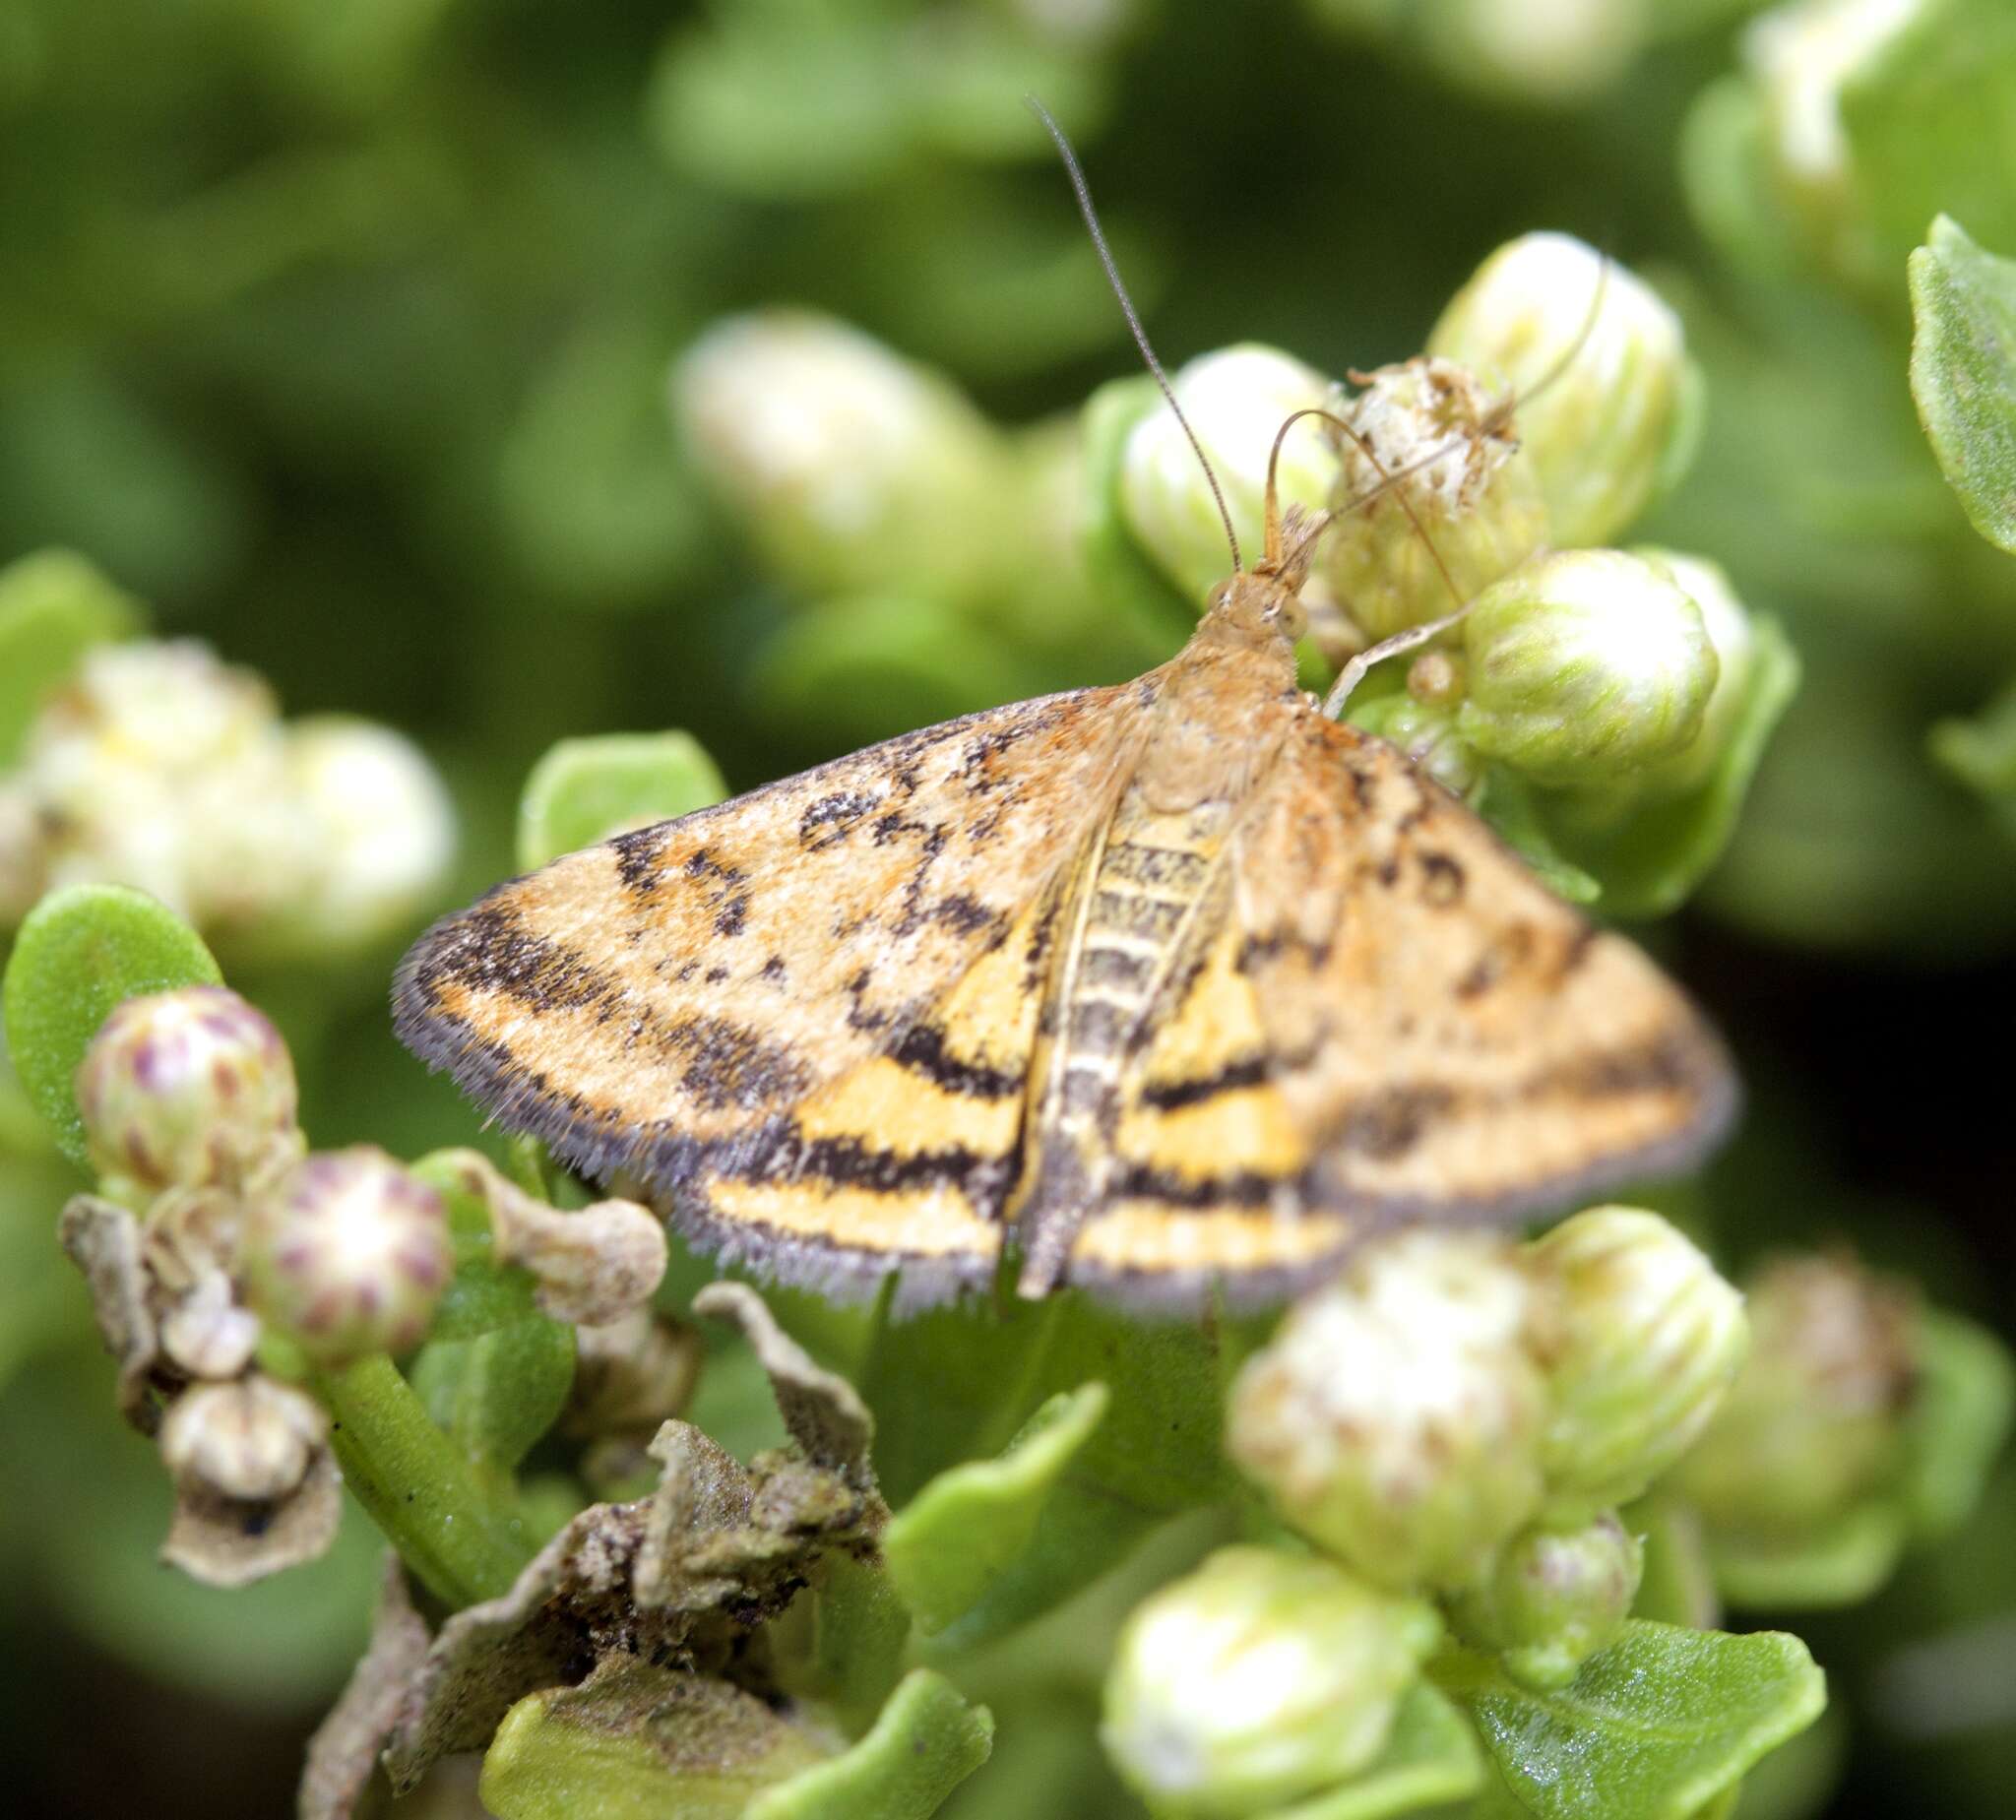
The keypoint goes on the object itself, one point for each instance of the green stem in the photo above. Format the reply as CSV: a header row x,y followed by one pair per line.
x,y
462,1542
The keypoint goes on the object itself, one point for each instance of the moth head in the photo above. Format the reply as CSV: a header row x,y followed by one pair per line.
x,y
1259,605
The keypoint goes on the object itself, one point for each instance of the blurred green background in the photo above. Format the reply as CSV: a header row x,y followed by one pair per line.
x,y
339,331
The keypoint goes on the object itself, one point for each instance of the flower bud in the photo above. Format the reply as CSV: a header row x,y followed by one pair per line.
x,y
384,833
1640,1339
1257,1680
1555,1597
1585,667
1559,51
1612,396
206,1333
1805,57
1472,489
849,465
1237,400
1396,1416
1815,1420
187,1088
1728,624
348,1255
250,1440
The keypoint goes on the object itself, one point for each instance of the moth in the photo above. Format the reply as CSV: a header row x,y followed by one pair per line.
x,y
1170,991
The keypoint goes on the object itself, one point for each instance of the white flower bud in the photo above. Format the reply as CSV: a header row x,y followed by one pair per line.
x,y
1640,1338
1543,50
1554,1597
1463,481
1726,621
1259,1678
383,830
348,1255
1585,667
849,464
1396,1416
251,1441
187,1088
1816,1418
1236,400
1602,431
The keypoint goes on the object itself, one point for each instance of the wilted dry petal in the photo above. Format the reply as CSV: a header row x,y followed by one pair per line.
x,y
249,1442
206,1333
227,1542
104,1241
824,1412
704,1489
345,1745
631,1374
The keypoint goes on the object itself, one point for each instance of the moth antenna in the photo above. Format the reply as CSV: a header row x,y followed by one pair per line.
x,y
1503,413
1141,341
1387,481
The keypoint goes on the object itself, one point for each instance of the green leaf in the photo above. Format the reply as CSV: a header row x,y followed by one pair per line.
x,y
969,1524
1512,806
1959,1419
1653,1727
1647,862
1430,1757
53,607
1963,371
81,952
926,1742
1981,751
585,790
1677,1585
1839,1564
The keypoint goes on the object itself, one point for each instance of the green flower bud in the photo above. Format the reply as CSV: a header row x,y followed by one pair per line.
x,y
1257,1680
1585,667
1479,501
1815,1420
251,1441
348,1255
1804,59
384,830
1396,1416
1426,731
1728,624
1640,1339
1237,400
1603,428
849,465
188,1089
1555,1597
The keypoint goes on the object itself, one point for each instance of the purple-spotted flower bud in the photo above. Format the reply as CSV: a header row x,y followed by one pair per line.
x,y
1395,1417
189,1088
1554,1597
250,1440
1257,1680
1436,499
1641,1339
348,1255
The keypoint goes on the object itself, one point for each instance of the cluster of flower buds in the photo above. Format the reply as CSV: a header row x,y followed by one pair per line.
x,y
160,766
1454,1417
221,1230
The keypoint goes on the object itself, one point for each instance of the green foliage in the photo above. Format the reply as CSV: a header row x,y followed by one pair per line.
x,y
53,607
1963,369
927,1741
1653,1727
1430,1757
79,954
585,789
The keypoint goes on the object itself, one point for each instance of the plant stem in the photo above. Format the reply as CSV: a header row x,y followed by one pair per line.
x,y
462,1543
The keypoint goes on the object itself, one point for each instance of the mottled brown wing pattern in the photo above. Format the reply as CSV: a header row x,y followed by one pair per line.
x,y
1453,1039
737,1006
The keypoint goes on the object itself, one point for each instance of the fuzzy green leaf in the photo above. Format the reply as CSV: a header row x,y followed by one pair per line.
x,y
926,1742
1654,1727
1430,1757
53,607
585,790
81,952
1963,371
964,1527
